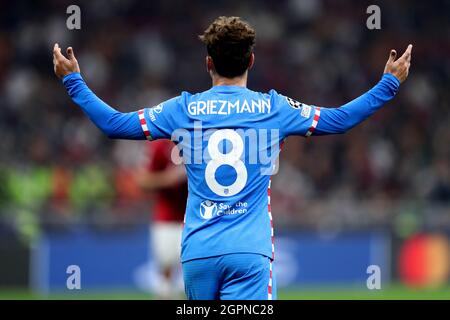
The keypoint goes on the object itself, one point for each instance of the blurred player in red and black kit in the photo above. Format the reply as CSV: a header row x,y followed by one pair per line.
x,y
167,182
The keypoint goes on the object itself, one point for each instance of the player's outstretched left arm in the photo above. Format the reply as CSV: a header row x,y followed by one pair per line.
x,y
339,120
113,123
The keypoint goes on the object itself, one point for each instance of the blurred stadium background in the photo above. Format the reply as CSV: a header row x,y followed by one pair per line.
x,y
379,195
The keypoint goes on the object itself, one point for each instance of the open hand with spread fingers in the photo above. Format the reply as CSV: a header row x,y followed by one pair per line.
x,y
400,67
62,65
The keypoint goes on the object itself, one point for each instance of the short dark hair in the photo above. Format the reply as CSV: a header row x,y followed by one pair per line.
x,y
229,42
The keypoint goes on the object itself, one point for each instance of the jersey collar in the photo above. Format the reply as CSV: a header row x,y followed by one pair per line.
x,y
227,88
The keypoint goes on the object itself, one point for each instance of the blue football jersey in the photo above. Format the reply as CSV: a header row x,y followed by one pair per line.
x,y
229,138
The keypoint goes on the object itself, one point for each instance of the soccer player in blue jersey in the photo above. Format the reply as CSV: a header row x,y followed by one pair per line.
x,y
229,136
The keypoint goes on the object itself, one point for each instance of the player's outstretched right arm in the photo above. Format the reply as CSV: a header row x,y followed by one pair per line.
x,y
340,120
113,123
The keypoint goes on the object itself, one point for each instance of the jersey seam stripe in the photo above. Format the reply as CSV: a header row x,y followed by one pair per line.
x,y
269,212
314,122
144,126
269,289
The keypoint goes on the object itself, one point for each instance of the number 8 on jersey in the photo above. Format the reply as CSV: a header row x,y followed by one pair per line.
x,y
232,158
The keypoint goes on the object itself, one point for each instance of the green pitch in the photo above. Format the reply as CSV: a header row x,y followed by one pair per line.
x,y
394,292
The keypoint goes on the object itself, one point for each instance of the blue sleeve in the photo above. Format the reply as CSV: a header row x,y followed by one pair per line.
x,y
339,120
294,117
113,123
162,120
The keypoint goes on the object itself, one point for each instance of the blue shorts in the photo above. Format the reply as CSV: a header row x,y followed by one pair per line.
x,y
237,276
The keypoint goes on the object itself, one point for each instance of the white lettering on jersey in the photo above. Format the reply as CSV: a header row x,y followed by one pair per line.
x,y
222,107
155,110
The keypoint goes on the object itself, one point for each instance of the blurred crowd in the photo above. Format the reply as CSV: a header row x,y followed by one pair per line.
x,y
133,54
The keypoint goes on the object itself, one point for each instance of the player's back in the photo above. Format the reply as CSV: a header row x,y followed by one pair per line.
x,y
228,180
229,137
